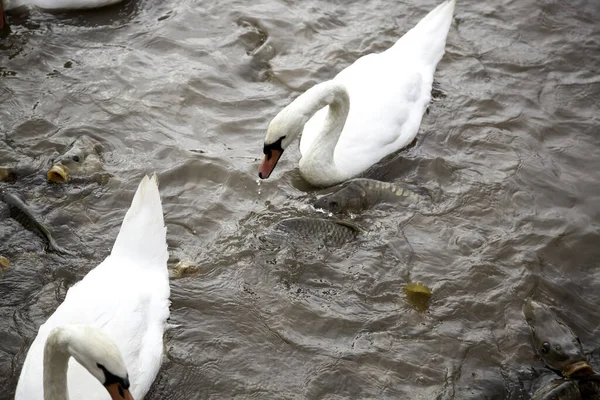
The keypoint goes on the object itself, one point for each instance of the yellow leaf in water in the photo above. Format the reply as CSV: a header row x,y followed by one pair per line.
x,y
4,263
418,295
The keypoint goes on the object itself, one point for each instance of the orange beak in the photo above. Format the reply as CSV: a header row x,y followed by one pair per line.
x,y
269,163
117,392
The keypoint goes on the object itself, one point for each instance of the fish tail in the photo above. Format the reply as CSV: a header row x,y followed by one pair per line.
x,y
55,248
143,235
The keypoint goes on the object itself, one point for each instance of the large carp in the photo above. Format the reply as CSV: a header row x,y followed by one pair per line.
x,y
360,194
81,157
561,350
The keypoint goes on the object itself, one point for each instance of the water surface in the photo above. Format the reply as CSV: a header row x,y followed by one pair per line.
x,y
186,88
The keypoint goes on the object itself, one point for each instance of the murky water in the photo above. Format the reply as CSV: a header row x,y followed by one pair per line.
x,y
186,88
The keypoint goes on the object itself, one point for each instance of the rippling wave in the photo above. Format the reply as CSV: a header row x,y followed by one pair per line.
x,y
186,88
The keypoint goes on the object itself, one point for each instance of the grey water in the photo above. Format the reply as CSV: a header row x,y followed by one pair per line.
x,y
186,88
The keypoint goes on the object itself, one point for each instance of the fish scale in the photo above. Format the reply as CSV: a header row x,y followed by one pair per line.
x,y
360,194
332,232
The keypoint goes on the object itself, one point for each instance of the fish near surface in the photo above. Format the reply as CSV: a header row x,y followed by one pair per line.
x,y
329,232
361,194
556,344
81,157
558,389
569,389
21,212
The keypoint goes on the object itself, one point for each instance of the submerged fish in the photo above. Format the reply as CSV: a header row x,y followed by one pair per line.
x,y
183,268
558,389
15,172
7,174
21,212
555,342
360,194
82,156
329,232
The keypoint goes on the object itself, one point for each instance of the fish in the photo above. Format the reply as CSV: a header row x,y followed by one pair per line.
x,y
82,156
13,173
21,212
361,193
7,174
558,389
4,263
556,344
327,231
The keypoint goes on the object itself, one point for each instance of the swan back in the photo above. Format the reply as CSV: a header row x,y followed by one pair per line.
x,y
126,296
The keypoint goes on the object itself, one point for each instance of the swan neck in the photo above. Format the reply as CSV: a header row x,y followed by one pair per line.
x,y
56,363
321,154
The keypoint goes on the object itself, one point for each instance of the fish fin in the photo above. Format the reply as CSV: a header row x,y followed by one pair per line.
x,y
349,225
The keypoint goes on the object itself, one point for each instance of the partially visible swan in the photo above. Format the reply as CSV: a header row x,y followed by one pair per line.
x,y
109,329
370,109
51,5
59,4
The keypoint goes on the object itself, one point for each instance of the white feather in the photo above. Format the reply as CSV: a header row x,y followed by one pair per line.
x,y
59,4
126,296
388,94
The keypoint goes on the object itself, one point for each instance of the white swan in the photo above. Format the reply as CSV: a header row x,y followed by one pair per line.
x,y
369,110
59,4
120,310
50,5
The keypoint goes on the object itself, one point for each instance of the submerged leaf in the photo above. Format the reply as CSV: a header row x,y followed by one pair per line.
x,y
418,295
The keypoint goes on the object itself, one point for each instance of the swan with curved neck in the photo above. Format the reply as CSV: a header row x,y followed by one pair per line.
x,y
94,350
108,332
319,164
370,109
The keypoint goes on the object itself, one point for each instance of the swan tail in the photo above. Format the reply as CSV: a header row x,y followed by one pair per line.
x,y
429,35
143,235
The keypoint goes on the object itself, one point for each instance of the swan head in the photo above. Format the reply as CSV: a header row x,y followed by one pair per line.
x,y
282,131
97,353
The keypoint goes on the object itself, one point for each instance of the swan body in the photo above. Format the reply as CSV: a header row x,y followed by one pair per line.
x,y
59,4
370,109
126,297
48,5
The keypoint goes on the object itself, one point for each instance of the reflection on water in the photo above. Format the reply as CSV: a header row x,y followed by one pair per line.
x,y
187,88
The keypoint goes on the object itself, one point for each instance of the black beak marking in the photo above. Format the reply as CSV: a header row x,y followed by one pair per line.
x,y
273,146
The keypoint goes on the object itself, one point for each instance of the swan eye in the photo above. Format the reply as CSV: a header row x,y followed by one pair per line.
x,y
75,158
546,347
333,204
